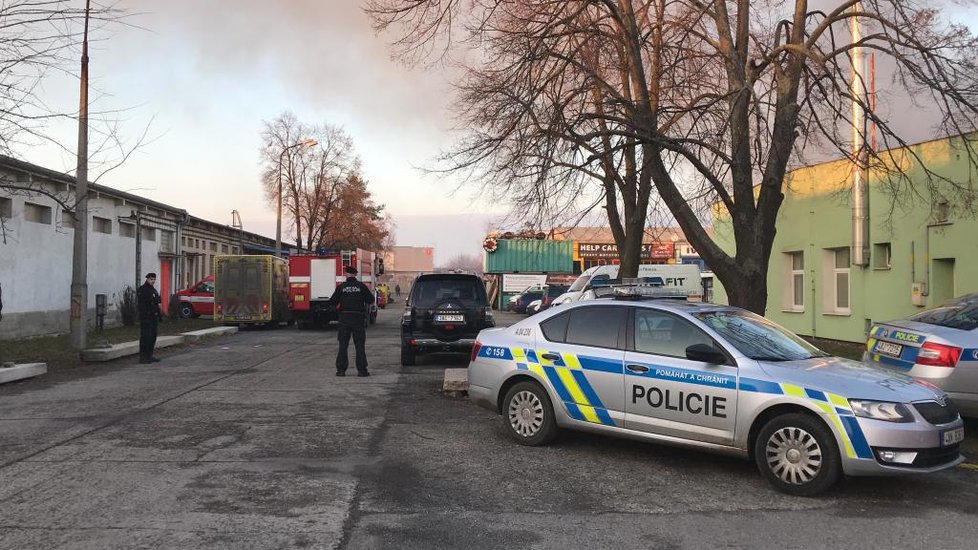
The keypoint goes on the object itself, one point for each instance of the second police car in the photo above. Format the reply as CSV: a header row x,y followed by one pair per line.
x,y
713,377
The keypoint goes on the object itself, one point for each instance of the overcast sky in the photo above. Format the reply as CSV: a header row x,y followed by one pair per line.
x,y
208,72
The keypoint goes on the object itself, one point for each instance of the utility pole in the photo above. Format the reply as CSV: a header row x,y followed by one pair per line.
x,y
79,265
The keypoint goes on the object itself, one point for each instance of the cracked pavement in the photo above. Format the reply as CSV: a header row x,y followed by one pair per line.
x,y
249,441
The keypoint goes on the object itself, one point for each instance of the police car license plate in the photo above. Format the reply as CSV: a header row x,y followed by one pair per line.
x,y
951,437
450,318
889,348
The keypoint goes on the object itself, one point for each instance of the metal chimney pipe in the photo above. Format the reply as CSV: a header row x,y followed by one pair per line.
x,y
860,172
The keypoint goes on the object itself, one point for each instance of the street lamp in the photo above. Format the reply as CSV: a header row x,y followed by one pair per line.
x,y
278,210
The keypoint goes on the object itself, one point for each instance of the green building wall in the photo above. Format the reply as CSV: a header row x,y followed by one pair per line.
x,y
924,229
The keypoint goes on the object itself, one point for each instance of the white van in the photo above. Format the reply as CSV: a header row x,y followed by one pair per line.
x,y
686,277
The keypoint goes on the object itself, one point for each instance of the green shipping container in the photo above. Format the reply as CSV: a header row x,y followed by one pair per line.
x,y
531,256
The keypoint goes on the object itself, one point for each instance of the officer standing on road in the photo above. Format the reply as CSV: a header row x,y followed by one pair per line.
x,y
148,308
352,299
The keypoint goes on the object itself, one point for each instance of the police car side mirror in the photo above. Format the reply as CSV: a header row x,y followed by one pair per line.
x,y
705,353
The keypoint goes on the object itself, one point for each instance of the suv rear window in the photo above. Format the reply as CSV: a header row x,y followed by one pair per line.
x,y
960,313
431,291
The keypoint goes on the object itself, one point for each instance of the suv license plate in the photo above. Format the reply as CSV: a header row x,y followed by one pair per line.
x,y
888,348
450,318
952,437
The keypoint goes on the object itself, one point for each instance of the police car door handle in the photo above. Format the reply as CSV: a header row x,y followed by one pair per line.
x,y
551,356
637,368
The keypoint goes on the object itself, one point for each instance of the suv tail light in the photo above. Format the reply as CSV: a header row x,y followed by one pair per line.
x,y
938,355
475,351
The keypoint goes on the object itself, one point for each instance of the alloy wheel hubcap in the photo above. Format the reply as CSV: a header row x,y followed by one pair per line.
x,y
793,455
526,414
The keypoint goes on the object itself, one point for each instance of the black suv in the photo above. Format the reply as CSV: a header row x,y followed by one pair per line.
x,y
443,312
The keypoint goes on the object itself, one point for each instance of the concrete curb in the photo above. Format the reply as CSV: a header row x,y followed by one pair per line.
x,y
456,383
196,335
98,355
21,371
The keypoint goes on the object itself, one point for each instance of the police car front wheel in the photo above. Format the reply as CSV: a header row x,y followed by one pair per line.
x,y
798,454
529,415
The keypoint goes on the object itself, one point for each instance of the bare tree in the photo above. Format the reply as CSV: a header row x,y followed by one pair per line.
x,y
323,192
697,103
39,39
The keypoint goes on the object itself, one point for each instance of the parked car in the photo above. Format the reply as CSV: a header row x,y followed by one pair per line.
x,y
553,292
518,303
443,312
938,345
196,300
718,378
534,307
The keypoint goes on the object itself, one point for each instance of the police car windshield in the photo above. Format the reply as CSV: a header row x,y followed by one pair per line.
x,y
758,338
430,292
961,313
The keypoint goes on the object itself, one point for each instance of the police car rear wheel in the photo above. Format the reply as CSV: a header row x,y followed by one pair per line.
x,y
528,414
798,454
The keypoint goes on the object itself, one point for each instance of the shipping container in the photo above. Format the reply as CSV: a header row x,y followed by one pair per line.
x,y
531,256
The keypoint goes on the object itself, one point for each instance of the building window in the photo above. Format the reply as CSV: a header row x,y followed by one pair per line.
x,y
166,240
183,241
127,230
149,234
881,256
67,220
101,225
836,293
213,247
6,208
37,213
794,286
234,250
224,249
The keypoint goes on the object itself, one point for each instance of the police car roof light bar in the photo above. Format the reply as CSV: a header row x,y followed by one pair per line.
x,y
640,291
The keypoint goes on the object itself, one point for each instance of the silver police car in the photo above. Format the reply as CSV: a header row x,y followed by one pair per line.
x,y
716,378
939,345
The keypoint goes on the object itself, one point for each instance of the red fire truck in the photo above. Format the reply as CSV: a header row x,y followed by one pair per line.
x,y
314,277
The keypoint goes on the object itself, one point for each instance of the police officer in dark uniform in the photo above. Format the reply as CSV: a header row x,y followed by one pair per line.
x,y
148,307
352,300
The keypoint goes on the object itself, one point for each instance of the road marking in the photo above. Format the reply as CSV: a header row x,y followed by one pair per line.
x,y
968,466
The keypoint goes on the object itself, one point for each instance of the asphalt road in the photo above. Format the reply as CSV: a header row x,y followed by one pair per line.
x,y
251,442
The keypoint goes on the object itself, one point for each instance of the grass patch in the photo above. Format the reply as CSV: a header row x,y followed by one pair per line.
x,y
57,350
849,350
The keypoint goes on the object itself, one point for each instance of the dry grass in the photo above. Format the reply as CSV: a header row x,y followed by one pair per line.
x,y
57,351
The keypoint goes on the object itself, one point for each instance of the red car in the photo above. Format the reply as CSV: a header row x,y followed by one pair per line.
x,y
197,300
